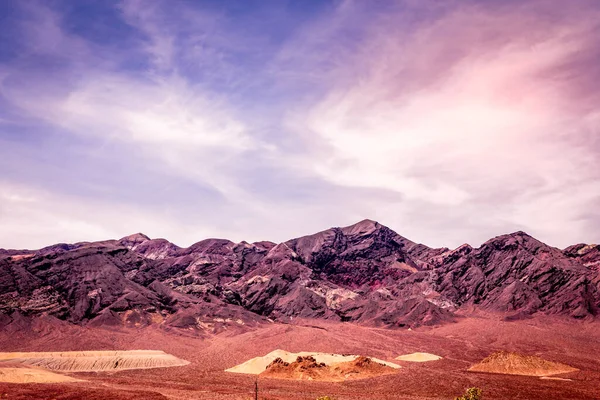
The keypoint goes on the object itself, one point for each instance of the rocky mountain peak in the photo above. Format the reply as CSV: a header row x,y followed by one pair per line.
x,y
519,240
364,227
134,238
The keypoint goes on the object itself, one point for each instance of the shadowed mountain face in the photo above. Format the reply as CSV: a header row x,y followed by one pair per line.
x,y
588,255
519,274
364,273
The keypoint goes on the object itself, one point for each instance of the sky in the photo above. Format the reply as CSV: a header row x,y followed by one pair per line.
x,y
450,122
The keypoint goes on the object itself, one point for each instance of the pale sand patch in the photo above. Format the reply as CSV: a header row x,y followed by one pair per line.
x,y
418,357
87,361
503,362
258,365
32,375
555,378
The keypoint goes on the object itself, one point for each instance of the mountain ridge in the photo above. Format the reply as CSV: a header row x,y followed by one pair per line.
x,y
140,236
364,273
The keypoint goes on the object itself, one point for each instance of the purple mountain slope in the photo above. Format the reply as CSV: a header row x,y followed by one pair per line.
x,y
365,273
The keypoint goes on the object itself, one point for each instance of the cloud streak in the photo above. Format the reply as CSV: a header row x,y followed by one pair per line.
x,y
448,122
468,114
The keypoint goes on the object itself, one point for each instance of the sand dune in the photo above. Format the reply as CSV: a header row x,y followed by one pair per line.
x,y
86,361
503,362
258,365
418,357
32,375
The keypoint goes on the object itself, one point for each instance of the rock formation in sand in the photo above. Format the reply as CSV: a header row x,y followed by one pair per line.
x,y
418,357
86,361
258,365
33,375
304,368
503,362
307,368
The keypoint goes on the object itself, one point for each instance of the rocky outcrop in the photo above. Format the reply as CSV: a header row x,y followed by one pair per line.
x,y
307,368
518,274
106,284
589,256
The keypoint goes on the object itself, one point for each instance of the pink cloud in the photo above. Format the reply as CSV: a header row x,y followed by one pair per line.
x,y
469,113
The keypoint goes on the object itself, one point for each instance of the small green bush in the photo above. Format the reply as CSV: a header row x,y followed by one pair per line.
x,y
471,394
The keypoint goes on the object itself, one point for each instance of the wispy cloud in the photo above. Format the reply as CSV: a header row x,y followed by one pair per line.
x,y
467,114
447,121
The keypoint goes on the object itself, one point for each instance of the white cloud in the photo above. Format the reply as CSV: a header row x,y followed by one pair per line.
x,y
448,129
489,116
34,218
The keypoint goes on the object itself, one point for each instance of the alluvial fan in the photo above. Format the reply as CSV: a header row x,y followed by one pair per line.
x,y
86,361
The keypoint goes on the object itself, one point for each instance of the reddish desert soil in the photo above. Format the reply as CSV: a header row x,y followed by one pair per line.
x,y
461,345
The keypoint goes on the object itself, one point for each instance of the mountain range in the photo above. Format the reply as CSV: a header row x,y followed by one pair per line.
x,y
364,273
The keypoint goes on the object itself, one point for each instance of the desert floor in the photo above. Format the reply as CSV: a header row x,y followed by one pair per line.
x,y
461,345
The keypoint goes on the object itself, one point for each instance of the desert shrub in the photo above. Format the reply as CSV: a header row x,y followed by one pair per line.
x,y
471,394
325,398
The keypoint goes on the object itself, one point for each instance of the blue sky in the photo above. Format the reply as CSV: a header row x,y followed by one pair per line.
x,y
449,122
